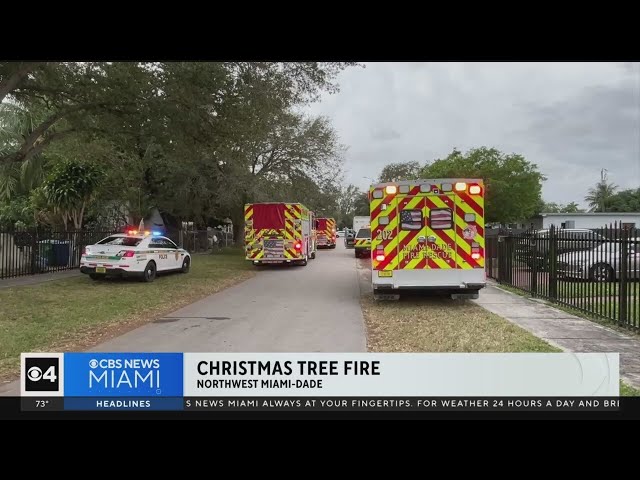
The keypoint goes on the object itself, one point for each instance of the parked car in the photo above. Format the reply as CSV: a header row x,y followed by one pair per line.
x,y
601,264
533,248
134,254
349,238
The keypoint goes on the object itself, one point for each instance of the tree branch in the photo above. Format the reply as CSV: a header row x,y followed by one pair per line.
x,y
9,84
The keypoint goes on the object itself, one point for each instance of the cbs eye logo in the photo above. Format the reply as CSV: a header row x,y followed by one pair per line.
x,y
41,374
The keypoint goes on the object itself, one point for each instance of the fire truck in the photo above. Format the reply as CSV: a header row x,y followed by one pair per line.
x,y
427,234
278,233
326,232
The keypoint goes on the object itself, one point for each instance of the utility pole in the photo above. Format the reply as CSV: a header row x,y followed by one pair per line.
x,y
603,180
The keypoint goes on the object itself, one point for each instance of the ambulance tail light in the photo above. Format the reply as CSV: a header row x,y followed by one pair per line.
x,y
298,246
475,251
475,190
126,253
380,257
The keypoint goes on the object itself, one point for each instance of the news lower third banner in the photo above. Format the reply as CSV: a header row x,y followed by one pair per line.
x,y
320,381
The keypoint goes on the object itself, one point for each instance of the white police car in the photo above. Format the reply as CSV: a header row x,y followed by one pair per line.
x,y
134,254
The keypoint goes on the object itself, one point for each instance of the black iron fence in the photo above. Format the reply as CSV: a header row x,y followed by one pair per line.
x,y
593,271
29,252
39,251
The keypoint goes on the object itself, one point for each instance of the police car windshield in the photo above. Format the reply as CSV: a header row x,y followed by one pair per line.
x,y
364,233
124,241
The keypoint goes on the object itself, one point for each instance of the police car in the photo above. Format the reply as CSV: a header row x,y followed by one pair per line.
x,y
134,254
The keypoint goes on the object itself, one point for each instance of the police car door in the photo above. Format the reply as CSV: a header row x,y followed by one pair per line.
x,y
175,255
160,253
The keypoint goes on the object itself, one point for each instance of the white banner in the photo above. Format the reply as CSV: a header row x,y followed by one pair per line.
x,y
401,374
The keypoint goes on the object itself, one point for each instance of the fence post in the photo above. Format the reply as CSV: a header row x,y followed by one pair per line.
x,y
533,284
624,268
501,258
553,263
34,251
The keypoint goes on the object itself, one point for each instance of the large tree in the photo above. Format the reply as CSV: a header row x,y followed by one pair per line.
x,y
194,139
625,201
394,172
513,185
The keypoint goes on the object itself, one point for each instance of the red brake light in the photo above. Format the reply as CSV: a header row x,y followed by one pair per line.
x,y
126,253
380,258
298,246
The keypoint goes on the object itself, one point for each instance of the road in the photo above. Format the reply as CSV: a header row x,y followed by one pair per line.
x,y
315,308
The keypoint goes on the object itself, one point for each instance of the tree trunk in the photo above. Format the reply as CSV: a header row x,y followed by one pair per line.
x,y
238,221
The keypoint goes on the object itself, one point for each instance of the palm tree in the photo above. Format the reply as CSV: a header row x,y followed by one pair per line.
x,y
599,196
16,122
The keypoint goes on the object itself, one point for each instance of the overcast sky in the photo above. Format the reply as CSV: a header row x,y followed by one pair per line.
x,y
571,119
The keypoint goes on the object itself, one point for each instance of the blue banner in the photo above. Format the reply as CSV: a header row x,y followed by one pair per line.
x,y
123,375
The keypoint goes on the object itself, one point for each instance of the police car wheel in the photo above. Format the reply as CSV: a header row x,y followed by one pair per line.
x,y
149,272
186,264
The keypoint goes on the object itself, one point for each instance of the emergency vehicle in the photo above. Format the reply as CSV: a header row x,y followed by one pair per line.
x,y
359,222
278,233
427,234
134,254
362,243
326,232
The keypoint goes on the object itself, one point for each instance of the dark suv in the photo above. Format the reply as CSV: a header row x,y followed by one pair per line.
x,y
534,247
349,238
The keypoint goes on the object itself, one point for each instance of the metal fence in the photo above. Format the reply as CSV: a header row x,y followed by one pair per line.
x,y
596,272
29,252
40,251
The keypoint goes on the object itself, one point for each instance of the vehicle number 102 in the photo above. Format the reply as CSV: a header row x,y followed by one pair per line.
x,y
384,235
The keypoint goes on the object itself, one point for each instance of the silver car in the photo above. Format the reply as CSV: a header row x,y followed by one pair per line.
x,y
601,264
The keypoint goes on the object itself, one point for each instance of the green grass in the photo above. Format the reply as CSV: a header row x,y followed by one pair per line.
x,y
443,325
628,391
574,289
607,307
76,313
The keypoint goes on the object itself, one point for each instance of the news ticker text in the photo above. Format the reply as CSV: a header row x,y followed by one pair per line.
x,y
347,404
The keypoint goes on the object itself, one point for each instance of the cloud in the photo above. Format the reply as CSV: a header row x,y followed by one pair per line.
x,y
571,119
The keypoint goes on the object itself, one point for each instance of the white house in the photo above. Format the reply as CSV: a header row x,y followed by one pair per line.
x,y
586,220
